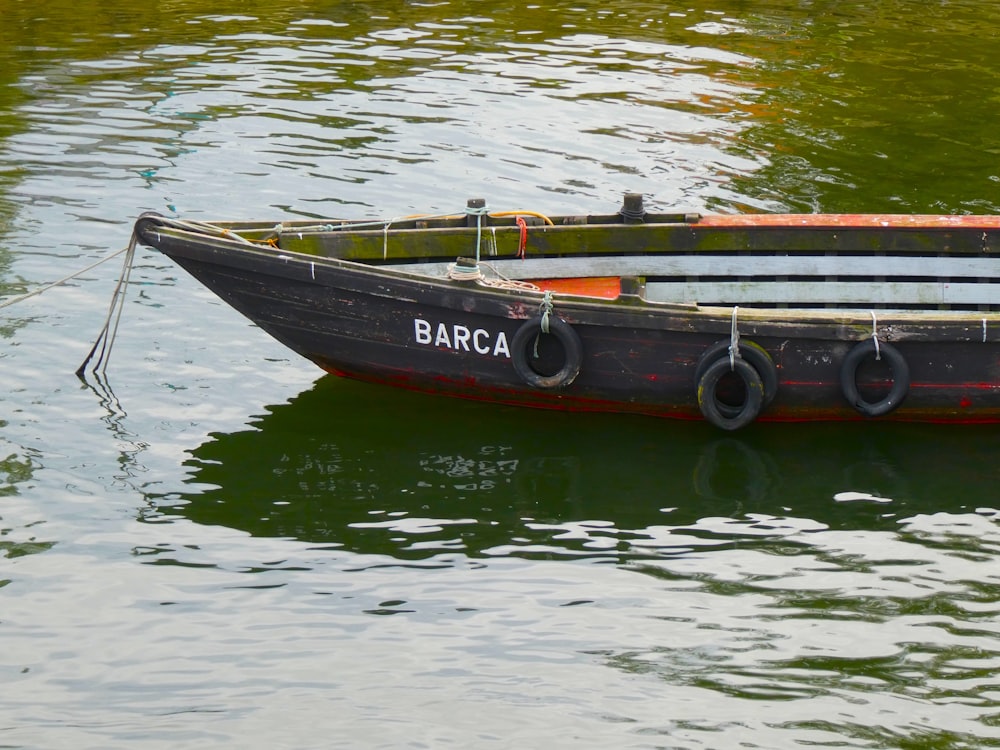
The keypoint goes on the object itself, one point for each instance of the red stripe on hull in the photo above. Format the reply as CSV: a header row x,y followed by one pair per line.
x,y
690,412
861,221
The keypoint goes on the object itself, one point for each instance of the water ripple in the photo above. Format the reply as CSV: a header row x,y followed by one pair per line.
x,y
221,553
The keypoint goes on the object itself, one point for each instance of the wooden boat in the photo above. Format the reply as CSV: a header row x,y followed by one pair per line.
x,y
730,318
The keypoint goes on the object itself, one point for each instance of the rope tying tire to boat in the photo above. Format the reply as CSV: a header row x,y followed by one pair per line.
x,y
878,354
524,346
546,308
734,340
751,363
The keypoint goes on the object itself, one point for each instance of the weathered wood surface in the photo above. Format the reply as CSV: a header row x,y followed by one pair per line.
x,y
652,239
819,292
788,279
933,267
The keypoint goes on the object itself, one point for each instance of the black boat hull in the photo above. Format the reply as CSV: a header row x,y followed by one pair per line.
x,y
459,338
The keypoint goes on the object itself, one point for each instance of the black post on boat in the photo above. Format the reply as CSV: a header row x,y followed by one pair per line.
x,y
475,207
633,212
476,216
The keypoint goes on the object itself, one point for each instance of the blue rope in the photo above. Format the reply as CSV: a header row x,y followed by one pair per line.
x,y
479,212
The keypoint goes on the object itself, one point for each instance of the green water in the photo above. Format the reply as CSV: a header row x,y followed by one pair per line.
x,y
214,546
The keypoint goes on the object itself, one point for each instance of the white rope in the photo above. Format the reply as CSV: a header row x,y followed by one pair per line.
x,y
504,282
203,227
464,273
878,354
106,338
546,309
350,226
474,273
734,341
29,295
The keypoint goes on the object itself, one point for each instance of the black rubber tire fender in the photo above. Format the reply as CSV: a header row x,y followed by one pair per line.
x,y
725,416
849,377
753,353
523,343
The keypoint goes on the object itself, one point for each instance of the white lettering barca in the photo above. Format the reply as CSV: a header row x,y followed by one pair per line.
x,y
460,338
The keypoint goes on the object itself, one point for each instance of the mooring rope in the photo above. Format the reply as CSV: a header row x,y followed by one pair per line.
x,y
458,272
36,292
106,337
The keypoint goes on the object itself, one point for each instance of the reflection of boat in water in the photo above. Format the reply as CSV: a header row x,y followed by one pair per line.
x,y
388,472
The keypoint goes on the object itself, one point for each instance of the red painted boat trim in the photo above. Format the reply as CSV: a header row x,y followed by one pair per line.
x,y
604,287
512,398
859,221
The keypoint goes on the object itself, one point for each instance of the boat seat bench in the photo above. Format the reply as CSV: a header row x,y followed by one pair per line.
x,y
778,280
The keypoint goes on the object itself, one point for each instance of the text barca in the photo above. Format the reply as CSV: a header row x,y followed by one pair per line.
x,y
461,338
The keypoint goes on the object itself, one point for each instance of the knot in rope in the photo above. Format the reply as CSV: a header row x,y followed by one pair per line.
x,y
546,310
477,210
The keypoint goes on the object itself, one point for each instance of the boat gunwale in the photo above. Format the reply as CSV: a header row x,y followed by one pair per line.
x,y
819,221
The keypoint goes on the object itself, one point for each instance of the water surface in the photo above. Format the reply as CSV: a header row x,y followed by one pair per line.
x,y
214,546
